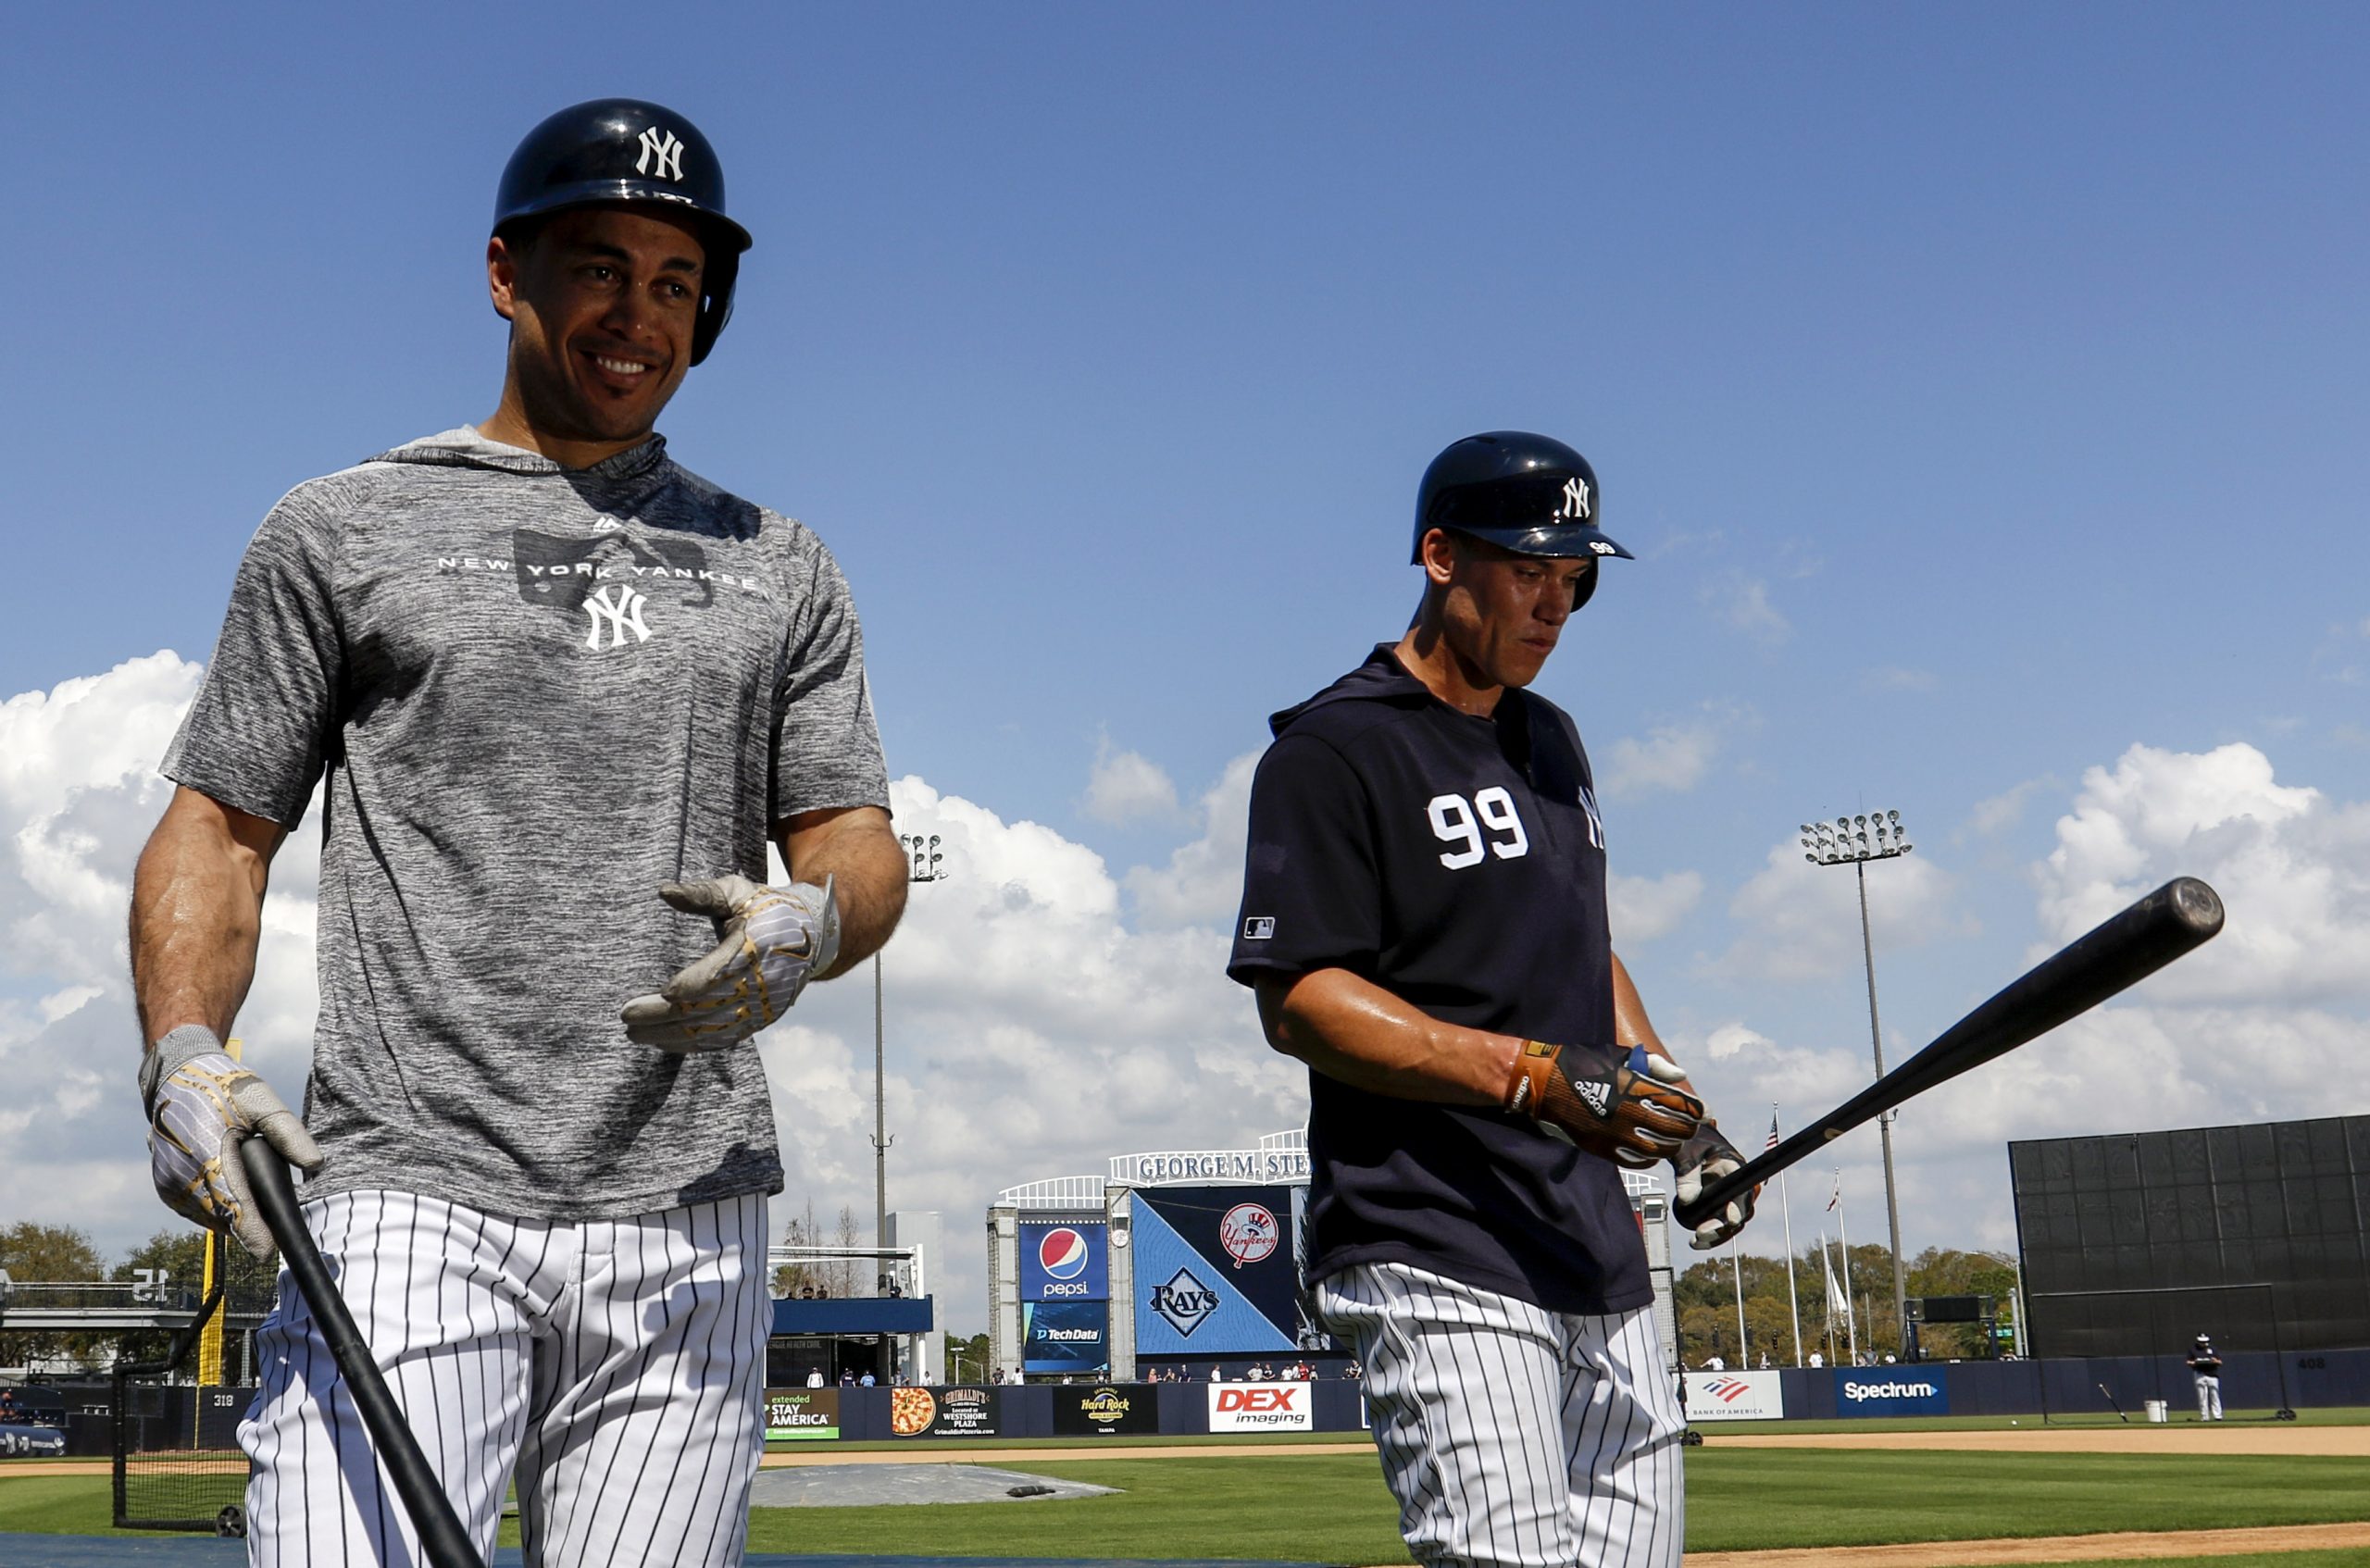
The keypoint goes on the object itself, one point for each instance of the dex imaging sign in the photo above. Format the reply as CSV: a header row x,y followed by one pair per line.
x,y
1261,1407
1890,1392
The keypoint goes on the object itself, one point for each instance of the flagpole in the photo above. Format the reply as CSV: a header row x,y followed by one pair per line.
x,y
1736,1272
1843,1236
1793,1301
1827,1303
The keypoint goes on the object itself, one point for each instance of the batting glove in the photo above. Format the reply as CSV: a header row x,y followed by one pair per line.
x,y
1702,1160
1626,1109
775,939
202,1105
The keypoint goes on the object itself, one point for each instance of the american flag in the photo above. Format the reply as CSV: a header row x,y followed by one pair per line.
x,y
1773,1132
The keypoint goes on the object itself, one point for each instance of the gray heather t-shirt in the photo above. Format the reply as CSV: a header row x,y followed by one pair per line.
x,y
538,693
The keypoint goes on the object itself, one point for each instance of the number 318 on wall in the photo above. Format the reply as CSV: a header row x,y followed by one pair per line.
x,y
1454,821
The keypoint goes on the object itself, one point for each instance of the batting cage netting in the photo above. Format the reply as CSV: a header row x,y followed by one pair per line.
x,y
178,1465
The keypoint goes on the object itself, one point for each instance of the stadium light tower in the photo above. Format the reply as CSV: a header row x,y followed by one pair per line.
x,y
1854,842
927,865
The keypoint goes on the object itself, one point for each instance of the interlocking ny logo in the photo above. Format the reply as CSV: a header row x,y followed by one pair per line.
x,y
666,148
1576,496
621,615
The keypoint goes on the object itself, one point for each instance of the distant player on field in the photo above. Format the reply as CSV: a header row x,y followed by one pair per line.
x,y
1424,921
562,692
2205,1371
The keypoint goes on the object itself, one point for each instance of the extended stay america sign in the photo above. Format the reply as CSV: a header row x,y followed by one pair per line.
x,y
1261,1407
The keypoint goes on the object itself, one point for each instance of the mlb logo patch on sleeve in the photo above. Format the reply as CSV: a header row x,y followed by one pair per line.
x,y
1258,928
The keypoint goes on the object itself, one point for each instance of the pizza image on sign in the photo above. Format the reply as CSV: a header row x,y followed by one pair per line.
x,y
1249,1234
910,1411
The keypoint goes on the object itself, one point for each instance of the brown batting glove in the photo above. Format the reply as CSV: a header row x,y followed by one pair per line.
x,y
1629,1110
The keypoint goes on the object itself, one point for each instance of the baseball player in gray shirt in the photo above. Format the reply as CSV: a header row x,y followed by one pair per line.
x,y
562,692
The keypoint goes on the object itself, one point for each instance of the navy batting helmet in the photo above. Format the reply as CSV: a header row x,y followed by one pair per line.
x,y
624,150
1527,494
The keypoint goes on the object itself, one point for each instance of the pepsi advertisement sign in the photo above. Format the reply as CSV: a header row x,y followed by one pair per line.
x,y
1064,1261
1891,1390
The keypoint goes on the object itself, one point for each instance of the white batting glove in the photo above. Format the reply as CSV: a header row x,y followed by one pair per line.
x,y
775,939
1704,1159
202,1105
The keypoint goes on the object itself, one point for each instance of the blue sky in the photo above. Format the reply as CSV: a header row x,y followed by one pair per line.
x,y
1981,387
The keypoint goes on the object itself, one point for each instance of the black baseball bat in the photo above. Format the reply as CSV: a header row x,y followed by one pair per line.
x,y
2125,950
441,1537
2111,1400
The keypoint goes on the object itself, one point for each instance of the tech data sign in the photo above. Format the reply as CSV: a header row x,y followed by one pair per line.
x,y
1262,1407
1734,1396
1890,1390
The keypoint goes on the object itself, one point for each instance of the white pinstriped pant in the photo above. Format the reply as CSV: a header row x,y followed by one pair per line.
x,y
618,1365
1512,1435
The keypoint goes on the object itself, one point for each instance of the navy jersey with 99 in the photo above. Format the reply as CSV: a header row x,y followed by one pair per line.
x,y
1457,861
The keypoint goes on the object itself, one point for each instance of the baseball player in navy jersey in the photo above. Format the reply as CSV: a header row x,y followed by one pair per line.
x,y
1424,923
2205,1371
561,693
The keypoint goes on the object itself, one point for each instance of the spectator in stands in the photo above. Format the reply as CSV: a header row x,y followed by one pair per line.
x,y
847,1379
1817,1360
1352,1370
9,1409
864,1381
814,1376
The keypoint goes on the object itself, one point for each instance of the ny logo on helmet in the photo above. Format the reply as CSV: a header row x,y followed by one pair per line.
x,y
664,146
1575,500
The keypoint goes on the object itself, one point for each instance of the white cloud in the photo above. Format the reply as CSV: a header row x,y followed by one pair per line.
x,y
2292,868
1127,787
1802,921
2005,809
1644,908
1896,677
1742,604
1201,884
1672,756
1029,1030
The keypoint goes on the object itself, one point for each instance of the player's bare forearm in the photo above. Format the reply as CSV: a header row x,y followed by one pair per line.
x,y
856,846
196,913
1353,1030
1630,1025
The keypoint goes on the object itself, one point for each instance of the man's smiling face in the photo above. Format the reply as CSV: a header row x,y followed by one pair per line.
x,y
601,303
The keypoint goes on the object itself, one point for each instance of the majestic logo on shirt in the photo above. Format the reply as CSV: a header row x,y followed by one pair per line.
x,y
667,148
1249,1234
622,616
1184,1303
1575,500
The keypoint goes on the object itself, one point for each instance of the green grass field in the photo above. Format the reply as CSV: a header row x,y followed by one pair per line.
x,y
1333,1508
